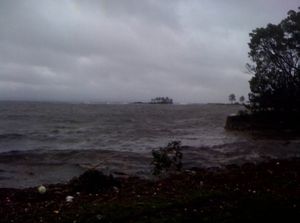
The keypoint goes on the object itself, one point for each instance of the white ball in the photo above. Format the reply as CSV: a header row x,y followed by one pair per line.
x,y
42,189
69,198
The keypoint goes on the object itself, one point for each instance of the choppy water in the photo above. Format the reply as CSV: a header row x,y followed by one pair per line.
x,y
42,126
51,142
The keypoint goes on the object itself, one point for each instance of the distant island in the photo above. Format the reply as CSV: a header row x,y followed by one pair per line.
x,y
157,100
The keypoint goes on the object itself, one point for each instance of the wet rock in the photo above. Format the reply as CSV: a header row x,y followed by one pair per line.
x,y
93,181
238,122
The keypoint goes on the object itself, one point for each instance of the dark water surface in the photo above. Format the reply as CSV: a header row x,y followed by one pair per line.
x,y
42,126
51,142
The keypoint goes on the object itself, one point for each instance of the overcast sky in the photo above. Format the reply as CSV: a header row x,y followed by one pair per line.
x,y
129,50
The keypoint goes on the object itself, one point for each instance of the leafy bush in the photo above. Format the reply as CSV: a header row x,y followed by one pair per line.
x,y
167,158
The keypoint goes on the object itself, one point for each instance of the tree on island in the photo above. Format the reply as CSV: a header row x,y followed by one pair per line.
x,y
161,100
275,53
232,98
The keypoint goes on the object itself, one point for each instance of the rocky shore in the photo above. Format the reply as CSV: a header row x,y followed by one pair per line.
x,y
267,191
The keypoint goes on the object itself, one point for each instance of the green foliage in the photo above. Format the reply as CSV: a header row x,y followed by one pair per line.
x,y
275,53
167,158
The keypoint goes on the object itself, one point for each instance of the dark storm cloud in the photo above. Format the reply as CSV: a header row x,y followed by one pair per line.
x,y
193,51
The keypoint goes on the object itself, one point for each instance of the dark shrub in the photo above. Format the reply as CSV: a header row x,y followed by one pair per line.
x,y
167,158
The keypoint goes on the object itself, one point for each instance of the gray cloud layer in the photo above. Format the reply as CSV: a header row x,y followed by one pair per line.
x,y
129,50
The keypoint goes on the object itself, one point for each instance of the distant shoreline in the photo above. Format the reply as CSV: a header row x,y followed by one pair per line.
x,y
111,102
